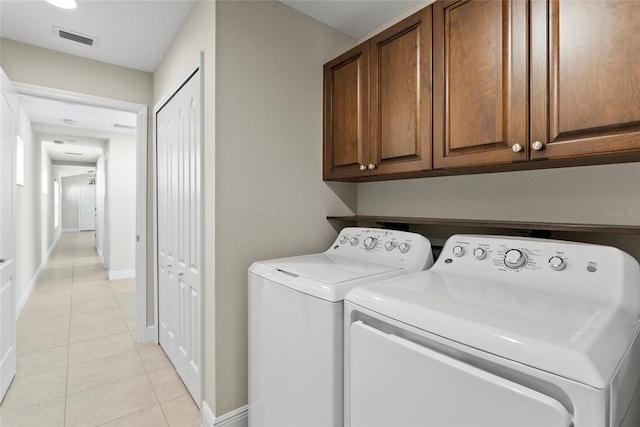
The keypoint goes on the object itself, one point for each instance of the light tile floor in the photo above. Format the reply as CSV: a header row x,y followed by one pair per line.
x,y
78,363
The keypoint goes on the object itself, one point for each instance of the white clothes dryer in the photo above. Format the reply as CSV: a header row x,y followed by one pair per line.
x,y
501,331
296,322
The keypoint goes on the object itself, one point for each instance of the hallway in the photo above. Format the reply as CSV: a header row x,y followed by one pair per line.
x,y
77,360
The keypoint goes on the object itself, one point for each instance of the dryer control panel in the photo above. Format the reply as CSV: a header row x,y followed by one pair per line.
x,y
570,269
409,250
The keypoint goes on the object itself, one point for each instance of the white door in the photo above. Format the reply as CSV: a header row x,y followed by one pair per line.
x,y
396,382
87,207
7,235
179,229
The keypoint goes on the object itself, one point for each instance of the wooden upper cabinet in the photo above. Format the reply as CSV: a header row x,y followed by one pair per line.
x,y
585,77
401,96
480,52
346,114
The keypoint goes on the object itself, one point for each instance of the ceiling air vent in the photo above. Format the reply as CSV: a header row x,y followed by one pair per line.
x,y
75,37
122,126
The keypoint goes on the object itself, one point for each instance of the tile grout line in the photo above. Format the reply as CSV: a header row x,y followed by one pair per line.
x,y
66,384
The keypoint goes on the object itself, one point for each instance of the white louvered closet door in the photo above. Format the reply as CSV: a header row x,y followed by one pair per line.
x,y
179,232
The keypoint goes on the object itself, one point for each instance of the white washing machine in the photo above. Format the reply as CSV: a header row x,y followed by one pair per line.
x,y
500,332
296,320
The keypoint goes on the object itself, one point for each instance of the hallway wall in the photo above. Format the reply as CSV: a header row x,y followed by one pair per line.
x,y
69,200
28,252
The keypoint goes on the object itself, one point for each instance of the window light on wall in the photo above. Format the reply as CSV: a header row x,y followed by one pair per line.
x,y
45,181
20,162
56,203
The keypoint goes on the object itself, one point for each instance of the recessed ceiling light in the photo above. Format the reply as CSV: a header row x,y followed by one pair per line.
x,y
64,4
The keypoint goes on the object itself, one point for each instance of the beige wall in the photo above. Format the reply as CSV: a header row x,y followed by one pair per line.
x,y
43,67
270,197
606,194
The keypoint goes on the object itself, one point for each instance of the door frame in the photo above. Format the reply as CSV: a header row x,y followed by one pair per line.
x,y
141,110
197,63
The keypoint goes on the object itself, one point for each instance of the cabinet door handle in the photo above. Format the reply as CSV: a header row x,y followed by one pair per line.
x,y
537,145
363,167
371,166
516,148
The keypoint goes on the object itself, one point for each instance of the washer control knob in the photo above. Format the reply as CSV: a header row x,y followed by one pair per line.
x,y
557,263
479,253
343,239
354,241
404,247
370,243
514,258
390,245
458,251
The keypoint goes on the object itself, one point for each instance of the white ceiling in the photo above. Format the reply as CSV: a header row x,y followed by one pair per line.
x,y
54,112
132,33
355,18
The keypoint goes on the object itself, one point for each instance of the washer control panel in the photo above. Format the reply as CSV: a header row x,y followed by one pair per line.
x,y
383,245
568,268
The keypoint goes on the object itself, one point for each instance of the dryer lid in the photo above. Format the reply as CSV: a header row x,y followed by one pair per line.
x,y
579,340
330,269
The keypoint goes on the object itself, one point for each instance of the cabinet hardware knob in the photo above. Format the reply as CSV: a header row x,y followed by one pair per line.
x,y
537,145
516,148
371,166
363,167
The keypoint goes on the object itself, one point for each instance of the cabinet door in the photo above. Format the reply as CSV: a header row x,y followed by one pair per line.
x,y
585,77
346,114
401,96
480,83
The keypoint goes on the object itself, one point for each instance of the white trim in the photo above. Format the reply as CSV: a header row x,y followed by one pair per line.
x,y
25,297
122,274
236,418
70,230
151,335
207,419
141,228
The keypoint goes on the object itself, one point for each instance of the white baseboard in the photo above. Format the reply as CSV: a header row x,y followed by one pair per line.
x,y
70,230
122,274
151,334
32,284
236,418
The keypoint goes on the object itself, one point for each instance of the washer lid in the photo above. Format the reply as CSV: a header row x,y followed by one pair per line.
x,y
330,269
329,277
579,340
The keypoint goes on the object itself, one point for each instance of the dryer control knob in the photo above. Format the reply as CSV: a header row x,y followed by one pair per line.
x,y
354,241
514,258
404,247
557,263
343,239
370,243
390,245
458,251
479,253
